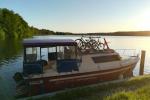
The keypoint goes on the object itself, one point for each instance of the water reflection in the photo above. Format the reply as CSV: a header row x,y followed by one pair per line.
x,y
10,49
10,62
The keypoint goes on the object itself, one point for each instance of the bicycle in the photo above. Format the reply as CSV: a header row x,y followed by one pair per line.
x,y
87,45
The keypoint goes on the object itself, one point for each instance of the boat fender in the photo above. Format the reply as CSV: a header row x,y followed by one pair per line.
x,y
18,77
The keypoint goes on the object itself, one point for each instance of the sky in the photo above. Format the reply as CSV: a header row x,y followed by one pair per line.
x,y
82,16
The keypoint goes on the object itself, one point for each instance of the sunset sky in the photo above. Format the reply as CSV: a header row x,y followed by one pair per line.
x,y
83,15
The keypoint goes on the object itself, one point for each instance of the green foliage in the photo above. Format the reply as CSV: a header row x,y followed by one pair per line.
x,y
2,34
12,25
122,96
63,33
139,94
45,32
9,48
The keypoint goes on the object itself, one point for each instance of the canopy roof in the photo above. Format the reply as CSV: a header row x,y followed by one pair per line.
x,y
48,42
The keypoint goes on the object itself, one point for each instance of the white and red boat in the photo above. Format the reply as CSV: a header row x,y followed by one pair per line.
x,y
55,64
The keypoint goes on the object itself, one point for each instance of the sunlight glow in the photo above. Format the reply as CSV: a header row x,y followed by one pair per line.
x,y
143,21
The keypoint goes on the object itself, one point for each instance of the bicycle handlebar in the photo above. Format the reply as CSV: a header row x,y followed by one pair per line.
x,y
91,36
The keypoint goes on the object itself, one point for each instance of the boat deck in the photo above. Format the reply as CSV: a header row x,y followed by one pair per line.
x,y
87,65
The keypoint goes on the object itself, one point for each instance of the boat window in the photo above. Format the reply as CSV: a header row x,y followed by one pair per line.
x,y
31,50
66,52
38,53
31,54
52,49
106,58
52,55
44,55
60,52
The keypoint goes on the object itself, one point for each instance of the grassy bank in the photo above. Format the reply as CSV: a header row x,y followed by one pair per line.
x,y
132,89
139,94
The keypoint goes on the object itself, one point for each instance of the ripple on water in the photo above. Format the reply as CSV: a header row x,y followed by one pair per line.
x,y
7,70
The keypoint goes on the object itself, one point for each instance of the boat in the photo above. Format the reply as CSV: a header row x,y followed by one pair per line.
x,y
56,64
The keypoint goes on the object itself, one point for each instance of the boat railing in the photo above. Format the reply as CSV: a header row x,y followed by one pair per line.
x,y
127,52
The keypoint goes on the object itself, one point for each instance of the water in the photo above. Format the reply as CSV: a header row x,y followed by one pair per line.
x,y
11,56
10,62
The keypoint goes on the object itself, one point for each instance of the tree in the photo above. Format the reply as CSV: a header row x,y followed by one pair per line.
x,y
12,25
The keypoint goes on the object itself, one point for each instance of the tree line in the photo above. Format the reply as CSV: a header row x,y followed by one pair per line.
x,y
12,25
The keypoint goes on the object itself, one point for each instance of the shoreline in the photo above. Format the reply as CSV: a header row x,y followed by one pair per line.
x,y
97,91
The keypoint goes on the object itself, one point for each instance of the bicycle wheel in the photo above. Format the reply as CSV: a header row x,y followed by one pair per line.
x,y
81,44
101,46
94,45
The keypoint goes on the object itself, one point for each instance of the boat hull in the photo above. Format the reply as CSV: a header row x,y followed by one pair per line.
x,y
54,83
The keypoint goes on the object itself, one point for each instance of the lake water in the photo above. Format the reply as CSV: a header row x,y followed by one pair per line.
x,y
11,57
